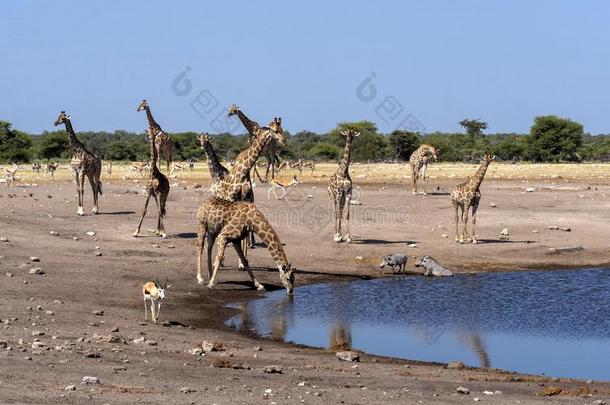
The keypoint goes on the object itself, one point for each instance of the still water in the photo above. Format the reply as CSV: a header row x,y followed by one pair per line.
x,y
544,322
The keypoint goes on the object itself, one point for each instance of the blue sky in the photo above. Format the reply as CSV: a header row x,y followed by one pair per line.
x,y
434,63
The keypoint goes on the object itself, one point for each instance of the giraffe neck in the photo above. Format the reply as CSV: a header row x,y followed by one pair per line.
x,y
344,165
265,231
75,144
476,180
250,125
151,121
247,159
153,154
216,168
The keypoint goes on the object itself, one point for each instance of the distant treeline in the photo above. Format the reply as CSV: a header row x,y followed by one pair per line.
x,y
551,139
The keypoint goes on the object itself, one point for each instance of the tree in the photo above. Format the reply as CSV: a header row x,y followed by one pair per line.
x,y
53,145
325,150
474,128
554,139
403,143
14,145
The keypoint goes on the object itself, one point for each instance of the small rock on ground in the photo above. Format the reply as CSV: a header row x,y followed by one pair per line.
x,y
456,365
273,370
348,356
90,380
463,390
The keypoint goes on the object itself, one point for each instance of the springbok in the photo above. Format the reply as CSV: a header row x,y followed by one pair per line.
x,y
154,292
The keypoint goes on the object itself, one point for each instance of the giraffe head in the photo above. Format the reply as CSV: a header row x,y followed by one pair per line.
x,y
277,131
350,134
62,118
142,105
204,138
435,151
287,277
487,158
233,109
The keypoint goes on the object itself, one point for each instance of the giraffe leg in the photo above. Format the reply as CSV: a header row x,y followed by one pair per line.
x,y
244,261
337,237
221,245
347,238
465,214
475,207
135,234
161,224
79,190
211,239
423,184
340,216
93,184
457,222
201,236
414,174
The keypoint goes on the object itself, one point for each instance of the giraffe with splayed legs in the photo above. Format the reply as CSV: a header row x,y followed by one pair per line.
x,y
419,164
466,196
235,187
233,221
83,163
157,187
163,142
340,188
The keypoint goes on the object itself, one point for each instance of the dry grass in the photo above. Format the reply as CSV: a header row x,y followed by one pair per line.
x,y
362,173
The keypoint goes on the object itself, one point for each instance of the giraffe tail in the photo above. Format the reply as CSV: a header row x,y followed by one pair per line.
x,y
99,187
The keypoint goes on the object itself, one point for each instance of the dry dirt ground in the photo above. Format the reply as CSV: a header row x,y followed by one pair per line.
x,y
82,316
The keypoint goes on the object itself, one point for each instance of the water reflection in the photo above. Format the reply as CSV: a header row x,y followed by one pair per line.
x,y
558,319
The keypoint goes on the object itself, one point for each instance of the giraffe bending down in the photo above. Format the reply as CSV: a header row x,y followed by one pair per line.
x,y
217,170
83,163
467,195
157,187
232,221
419,163
163,142
340,188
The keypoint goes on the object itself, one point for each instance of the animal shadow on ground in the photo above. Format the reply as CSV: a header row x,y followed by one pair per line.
x,y
380,242
117,213
186,235
491,241
439,193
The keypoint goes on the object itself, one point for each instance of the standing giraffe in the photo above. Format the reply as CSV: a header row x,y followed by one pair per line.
x,y
83,163
163,143
157,187
468,195
217,170
419,161
237,185
340,188
270,149
234,220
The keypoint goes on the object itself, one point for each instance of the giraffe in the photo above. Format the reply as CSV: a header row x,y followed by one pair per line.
x,y
419,162
466,195
83,163
237,186
217,170
270,149
233,221
163,143
340,188
157,187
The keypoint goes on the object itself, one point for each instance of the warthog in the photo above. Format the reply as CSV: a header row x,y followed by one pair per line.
x,y
432,267
394,261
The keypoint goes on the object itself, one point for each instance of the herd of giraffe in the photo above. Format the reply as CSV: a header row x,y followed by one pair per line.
x,y
230,214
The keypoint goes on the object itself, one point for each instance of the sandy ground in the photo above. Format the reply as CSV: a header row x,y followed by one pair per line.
x,y
56,334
